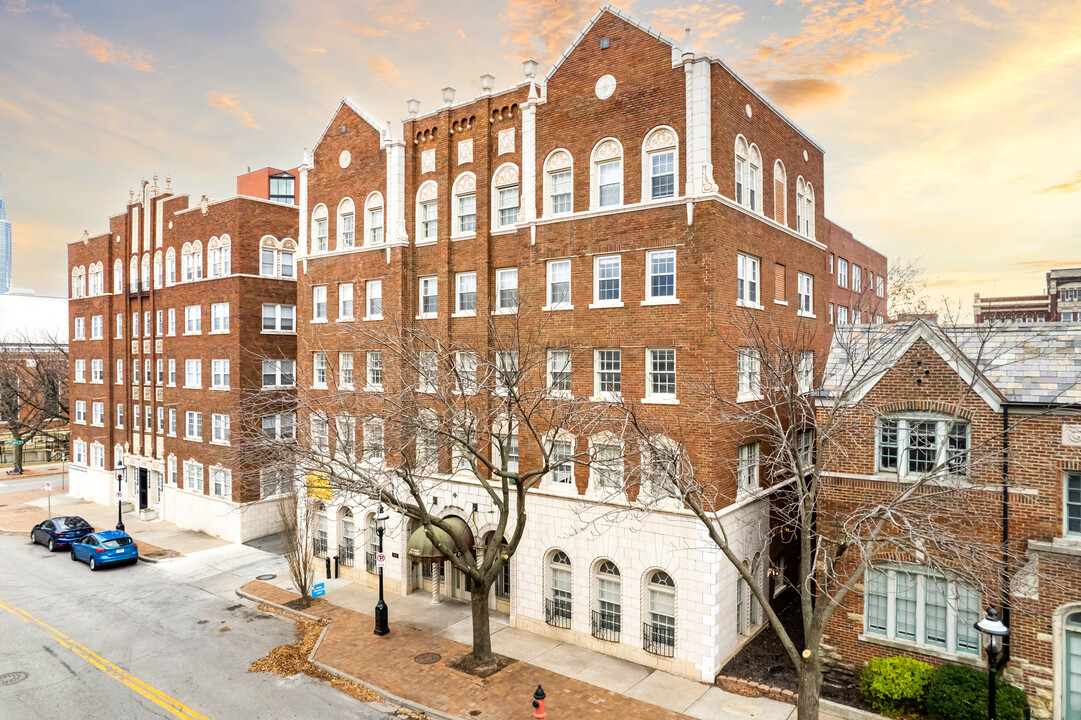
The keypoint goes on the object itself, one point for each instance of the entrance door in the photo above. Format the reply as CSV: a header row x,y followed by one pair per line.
x,y
459,585
1073,667
144,487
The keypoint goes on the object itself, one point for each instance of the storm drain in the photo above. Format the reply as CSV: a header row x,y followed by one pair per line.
x,y
17,677
265,577
427,658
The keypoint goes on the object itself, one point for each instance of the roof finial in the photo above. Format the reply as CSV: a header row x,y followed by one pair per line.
x,y
687,49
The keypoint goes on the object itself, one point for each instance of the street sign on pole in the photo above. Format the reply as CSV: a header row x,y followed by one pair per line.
x,y
319,590
380,559
48,486
119,495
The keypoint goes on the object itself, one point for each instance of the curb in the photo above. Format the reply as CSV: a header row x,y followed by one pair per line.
x,y
845,712
387,696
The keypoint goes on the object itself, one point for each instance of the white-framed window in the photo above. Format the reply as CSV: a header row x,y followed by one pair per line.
x,y
193,476
172,372
120,415
320,434
660,276
606,181
660,165
319,370
427,445
661,374
857,278
119,335
1071,495
607,373
427,210
465,369
880,286
221,482
748,272
78,452
605,464
805,288
345,301
119,374
747,468
842,314
345,438
219,318
607,619
373,299
80,328
857,316
559,372
80,370
373,440
279,318
465,445
146,323
171,315
373,219
193,319
506,290
560,600
913,604
429,296
465,296
505,446
805,367
159,322
96,327
805,208
505,196
274,481
559,285
345,370
607,281
842,272
748,175
428,372
320,231
748,371
219,433
80,411
193,425
660,629
172,421
561,461
831,263
915,445
374,370
193,373
219,374
268,262
97,413
319,303
507,371
465,205
558,183
346,224
282,426
97,370
780,193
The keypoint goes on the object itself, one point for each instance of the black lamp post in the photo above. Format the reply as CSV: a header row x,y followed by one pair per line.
x,y
382,626
119,493
993,628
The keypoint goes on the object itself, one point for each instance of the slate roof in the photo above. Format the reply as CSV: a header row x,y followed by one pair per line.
x,y
1025,363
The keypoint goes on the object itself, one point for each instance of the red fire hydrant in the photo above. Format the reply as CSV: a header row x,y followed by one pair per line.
x,y
538,703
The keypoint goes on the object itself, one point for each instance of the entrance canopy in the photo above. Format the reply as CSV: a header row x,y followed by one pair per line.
x,y
421,549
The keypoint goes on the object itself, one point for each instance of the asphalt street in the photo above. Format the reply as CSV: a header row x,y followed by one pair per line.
x,y
140,642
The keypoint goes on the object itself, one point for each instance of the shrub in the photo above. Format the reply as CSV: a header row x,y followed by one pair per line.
x,y
895,686
960,693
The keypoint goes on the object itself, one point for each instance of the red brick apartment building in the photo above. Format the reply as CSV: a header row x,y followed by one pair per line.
x,y
172,312
1060,302
645,200
1002,404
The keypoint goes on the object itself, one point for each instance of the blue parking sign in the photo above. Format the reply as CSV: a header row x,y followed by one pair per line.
x,y
319,590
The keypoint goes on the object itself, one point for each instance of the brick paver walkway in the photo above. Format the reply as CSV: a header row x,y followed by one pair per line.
x,y
387,663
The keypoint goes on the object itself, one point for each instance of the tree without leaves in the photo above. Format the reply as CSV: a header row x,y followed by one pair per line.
x,y
33,391
297,513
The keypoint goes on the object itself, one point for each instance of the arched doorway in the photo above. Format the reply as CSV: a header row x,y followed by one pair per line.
x,y
1072,671
421,551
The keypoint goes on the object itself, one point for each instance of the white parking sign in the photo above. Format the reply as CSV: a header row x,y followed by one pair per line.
x,y
48,486
380,559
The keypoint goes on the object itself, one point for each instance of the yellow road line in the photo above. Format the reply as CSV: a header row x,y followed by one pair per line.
x,y
152,694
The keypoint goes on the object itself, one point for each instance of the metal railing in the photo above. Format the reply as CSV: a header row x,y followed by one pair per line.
x,y
659,639
346,553
369,563
557,613
320,546
605,625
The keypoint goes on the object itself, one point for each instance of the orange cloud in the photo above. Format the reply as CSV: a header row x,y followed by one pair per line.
x,y
366,31
317,50
229,104
792,94
542,29
705,19
103,50
386,72
966,15
1071,185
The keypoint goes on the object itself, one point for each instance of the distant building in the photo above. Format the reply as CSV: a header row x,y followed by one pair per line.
x,y
1060,302
28,317
278,186
5,249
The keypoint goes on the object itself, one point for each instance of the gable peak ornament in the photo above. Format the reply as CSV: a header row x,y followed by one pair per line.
x,y
606,85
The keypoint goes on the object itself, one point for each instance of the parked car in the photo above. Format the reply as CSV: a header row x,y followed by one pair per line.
x,y
105,547
60,532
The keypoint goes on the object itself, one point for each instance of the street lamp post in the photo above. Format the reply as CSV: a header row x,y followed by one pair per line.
x,y
382,626
993,628
119,502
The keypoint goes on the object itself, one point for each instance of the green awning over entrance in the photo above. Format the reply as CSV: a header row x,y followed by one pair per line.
x,y
421,549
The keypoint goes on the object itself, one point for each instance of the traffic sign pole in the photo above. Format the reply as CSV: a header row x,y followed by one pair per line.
x,y
49,487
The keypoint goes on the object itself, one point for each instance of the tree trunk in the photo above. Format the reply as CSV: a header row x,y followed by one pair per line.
x,y
808,688
482,636
17,462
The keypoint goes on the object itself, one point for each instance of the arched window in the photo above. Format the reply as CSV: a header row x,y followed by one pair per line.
x,y
606,620
748,175
145,273
118,276
321,539
464,207
159,274
805,208
347,541
170,267
346,224
780,193
373,219
197,259
319,229
133,274
741,170
557,606
213,258
427,212
505,196
660,164
659,629
606,174
558,183
75,283
225,245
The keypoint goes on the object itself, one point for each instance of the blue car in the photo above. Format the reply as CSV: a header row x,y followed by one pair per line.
x,y
60,532
105,547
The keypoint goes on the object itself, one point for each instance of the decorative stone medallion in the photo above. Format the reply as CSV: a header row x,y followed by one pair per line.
x,y
1071,435
344,159
805,156
427,161
748,110
506,141
506,175
607,149
606,85
465,151
661,138
466,183
559,160
428,190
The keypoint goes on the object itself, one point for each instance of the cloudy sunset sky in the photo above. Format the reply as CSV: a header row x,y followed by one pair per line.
x,y
952,128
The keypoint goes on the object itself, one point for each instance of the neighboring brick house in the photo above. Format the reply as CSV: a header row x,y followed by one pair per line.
x,y
995,410
168,332
1061,302
634,160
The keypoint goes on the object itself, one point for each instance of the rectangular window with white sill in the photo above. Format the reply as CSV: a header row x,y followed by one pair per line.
x,y
80,328
1072,503
561,461
465,370
221,482
319,303
279,318
747,278
661,276
172,372
428,373
508,205
506,285
465,297
429,221
560,186
97,370
805,287
119,326
193,429
662,174
748,371
467,213
857,278
805,371
375,370
345,370
80,370
193,320
913,605
661,374
119,379
278,373
610,183
219,374
747,468
319,370
842,272
608,370
429,296
219,317
219,429
345,301
193,373
913,446
559,285
559,372
172,321
96,327
607,280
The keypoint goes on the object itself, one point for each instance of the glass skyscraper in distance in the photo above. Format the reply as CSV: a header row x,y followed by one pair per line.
x,y
5,248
